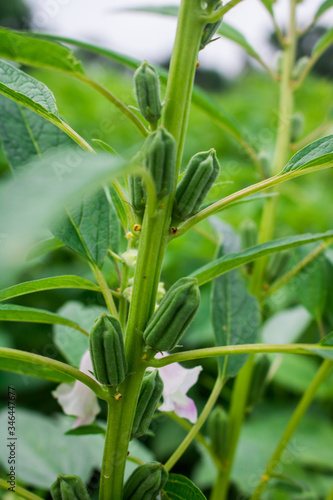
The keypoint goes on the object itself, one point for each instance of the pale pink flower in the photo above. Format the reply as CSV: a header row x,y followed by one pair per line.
x,y
77,399
177,382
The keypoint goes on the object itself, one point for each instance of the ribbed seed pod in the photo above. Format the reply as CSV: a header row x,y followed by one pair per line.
x,y
277,265
137,195
69,488
199,177
249,233
107,351
218,430
258,380
210,29
297,126
150,395
174,314
146,482
160,159
147,92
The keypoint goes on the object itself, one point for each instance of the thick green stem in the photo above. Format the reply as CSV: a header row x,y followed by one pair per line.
x,y
282,150
297,416
199,423
153,241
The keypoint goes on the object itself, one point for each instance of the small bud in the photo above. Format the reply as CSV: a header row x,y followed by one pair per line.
x,y
277,265
130,257
137,227
147,91
210,29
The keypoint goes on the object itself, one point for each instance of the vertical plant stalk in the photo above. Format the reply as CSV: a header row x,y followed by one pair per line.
x,y
153,240
105,290
297,416
199,423
235,422
282,149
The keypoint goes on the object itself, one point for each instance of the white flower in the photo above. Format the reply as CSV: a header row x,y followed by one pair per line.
x,y
177,382
77,399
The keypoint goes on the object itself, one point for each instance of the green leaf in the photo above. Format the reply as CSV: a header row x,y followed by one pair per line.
x,y
85,430
310,284
325,342
89,227
235,316
27,91
327,4
11,312
179,487
323,43
121,214
231,261
269,5
234,35
24,134
31,369
318,153
29,202
44,247
48,284
34,365
26,49
45,451
71,343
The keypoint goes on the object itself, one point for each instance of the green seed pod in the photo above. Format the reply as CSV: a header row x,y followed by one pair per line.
x,y
69,488
200,175
160,159
277,265
210,29
217,431
147,91
107,351
146,482
297,126
258,380
174,314
249,233
136,192
300,66
149,397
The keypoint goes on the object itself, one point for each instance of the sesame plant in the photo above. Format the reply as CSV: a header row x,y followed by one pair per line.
x,y
95,202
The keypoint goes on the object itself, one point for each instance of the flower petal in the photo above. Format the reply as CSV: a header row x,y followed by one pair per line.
x,y
77,399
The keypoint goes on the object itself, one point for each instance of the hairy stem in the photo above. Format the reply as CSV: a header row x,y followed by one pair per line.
x,y
152,246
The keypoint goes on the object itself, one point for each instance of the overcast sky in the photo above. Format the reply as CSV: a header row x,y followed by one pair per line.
x,y
150,36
